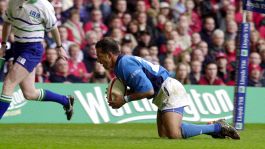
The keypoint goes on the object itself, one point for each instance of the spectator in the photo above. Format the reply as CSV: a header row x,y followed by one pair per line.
x,y
49,63
165,33
126,50
174,35
82,11
141,7
239,12
195,40
204,47
254,75
133,28
100,75
116,34
39,75
90,57
207,30
254,58
254,38
103,6
58,8
126,19
119,8
77,67
160,23
144,53
91,37
96,21
75,28
262,55
64,38
61,74
195,23
222,73
153,51
165,10
144,40
210,77
212,8
144,26
169,64
170,52
197,55
217,43
178,8
182,73
195,74
129,40
231,30
115,22
230,49
184,34
185,57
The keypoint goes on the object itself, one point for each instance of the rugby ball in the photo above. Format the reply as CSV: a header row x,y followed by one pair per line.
x,y
115,86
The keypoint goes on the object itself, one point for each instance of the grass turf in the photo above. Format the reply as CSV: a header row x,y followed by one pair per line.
x,y
114,136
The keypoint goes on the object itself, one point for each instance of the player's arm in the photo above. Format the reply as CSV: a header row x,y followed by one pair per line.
x,y
59,47
6,28
138,95
5,34
51,25
138,82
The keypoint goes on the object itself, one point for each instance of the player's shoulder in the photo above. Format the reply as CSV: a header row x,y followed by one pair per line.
x,y
127,59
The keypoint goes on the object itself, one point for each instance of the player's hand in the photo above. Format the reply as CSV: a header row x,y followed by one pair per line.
x,y
62,54
117,102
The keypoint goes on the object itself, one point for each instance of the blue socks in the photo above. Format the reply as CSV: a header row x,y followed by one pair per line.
x,y
190,130
4,104
46,95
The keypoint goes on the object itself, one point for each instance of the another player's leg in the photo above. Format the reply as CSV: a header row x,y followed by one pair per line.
x,y
160,127
15,75
31,93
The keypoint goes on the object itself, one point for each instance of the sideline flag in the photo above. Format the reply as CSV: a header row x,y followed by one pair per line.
x,y
254,5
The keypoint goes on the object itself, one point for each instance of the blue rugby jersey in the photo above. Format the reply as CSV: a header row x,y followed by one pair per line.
x,y
139,74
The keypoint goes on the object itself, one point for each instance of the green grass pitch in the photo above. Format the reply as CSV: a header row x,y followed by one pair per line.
x,y
116,136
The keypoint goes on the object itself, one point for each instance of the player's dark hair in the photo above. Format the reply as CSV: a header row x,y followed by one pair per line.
x,y
108,44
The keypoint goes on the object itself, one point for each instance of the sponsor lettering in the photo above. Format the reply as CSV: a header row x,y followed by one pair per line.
x,y
203,107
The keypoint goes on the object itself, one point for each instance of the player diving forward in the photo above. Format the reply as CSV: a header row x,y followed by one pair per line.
x,y
29,19
147,80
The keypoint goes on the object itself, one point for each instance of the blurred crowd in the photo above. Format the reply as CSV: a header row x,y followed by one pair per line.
x,y
195,40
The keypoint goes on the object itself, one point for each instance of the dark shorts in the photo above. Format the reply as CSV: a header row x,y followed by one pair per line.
x,y
28,55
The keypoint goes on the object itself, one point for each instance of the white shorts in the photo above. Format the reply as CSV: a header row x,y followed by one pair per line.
x,y
172,94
